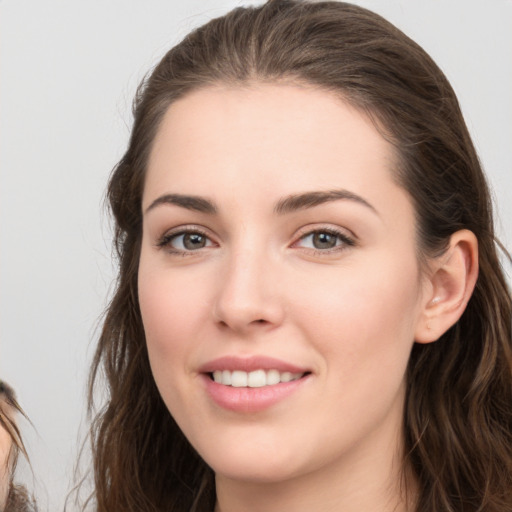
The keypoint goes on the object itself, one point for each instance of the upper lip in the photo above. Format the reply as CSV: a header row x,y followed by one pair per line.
x,y
249,364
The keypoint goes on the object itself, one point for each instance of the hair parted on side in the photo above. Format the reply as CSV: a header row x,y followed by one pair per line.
x,y
458,411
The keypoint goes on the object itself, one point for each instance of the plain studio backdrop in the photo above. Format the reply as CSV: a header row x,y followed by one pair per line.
x,y
69,71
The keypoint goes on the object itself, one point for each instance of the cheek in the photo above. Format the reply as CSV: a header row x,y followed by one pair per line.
x,y
365,315
363,329
160,308
169,315
174,308
5,447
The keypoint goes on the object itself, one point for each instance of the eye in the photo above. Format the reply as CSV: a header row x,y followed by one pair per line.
x,y
324,240
185,241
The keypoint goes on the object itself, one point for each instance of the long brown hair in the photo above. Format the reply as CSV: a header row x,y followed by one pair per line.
x,y
458,411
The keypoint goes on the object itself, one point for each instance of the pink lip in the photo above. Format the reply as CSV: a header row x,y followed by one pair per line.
x,y
250,364
250,400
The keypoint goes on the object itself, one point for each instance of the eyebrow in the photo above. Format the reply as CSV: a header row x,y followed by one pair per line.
x,y
194,203
286,205
310,199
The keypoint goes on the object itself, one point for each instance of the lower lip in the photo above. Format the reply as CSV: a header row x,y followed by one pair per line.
x,y
246,400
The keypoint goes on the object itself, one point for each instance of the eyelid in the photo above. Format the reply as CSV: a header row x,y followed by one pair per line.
x,y
164,241
347,237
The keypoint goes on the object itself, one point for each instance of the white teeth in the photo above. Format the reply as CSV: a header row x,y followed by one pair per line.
x,y
286,377
226,377
255,379
273,377
239,379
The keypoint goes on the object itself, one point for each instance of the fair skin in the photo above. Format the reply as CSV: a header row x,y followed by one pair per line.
x,y
5,463
238,265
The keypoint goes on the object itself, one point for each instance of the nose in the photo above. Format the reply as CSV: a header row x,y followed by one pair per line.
x,y
249,293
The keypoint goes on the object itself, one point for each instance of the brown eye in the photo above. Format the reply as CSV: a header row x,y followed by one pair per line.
x,y
193,241
323,240
185,241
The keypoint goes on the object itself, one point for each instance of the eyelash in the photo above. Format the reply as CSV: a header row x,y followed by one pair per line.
x,y
166,240
344,241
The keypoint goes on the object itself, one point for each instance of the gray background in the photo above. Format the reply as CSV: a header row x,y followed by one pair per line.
x,y
68,73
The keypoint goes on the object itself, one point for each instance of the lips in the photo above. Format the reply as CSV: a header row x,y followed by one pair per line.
x,y
251,384
249,364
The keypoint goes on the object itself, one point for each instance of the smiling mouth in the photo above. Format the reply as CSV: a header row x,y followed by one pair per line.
x,y
254,379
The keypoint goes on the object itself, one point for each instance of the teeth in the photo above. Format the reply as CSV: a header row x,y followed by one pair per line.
x,y
273,377
239,379
226,377
286,377
255,379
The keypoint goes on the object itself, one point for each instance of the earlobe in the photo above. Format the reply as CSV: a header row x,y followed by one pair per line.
x,y
451,285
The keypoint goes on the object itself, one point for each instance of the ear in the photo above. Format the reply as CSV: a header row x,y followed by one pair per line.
x,y
449,287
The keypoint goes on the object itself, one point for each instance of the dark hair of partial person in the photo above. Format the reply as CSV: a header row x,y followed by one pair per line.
x,y
8,406
458,409
18,498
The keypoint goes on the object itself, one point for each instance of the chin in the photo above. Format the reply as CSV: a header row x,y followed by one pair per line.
x,y
256,464
257,473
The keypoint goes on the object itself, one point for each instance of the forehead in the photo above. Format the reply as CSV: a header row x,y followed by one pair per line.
x,y
271,136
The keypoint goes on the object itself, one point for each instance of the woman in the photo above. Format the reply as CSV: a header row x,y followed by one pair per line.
x,y
13,497
310,311
8,434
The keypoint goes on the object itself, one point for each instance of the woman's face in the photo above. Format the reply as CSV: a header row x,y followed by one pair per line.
x,y
5,455
278,282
